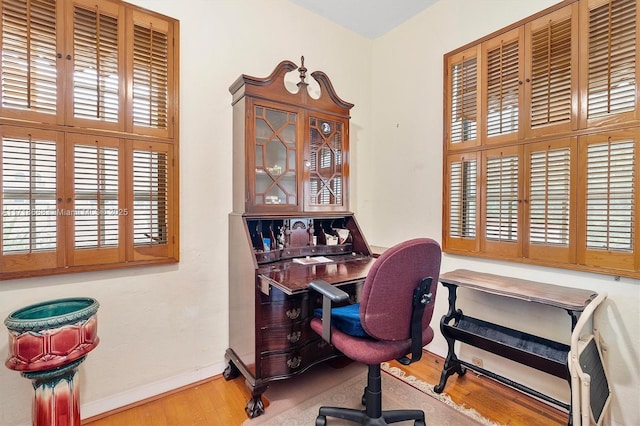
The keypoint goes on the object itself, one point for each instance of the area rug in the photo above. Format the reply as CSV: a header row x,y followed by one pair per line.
x,y
295,402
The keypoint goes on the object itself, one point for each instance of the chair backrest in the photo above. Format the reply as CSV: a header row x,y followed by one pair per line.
x,y
387,294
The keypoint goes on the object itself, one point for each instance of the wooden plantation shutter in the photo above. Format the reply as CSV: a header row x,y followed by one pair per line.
x,y
551,84
80,81
97,67
464,99
611,61
151,219
559,168
30,168
29,64
503,81
96,230
502,201
550,200
152,77
610,201
462,198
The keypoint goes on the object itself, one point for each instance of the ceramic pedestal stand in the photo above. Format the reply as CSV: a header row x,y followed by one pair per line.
x,y
47,343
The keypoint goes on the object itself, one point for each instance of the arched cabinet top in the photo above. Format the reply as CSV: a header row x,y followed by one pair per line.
x,y
273,88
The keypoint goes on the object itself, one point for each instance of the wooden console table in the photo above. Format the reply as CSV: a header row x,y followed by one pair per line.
x,y
534,351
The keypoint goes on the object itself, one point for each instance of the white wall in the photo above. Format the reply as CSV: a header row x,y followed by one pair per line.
x,y
401,195
162,327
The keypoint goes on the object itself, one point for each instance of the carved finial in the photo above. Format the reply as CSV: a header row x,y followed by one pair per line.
x,y
303,72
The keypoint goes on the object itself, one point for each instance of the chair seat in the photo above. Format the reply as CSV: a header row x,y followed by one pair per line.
x,y
367,350
346,319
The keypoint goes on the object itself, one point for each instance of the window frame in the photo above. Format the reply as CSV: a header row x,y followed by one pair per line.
x,y
70,133
574,134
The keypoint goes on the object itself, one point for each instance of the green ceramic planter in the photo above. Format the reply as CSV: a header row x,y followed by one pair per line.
x,y
51,334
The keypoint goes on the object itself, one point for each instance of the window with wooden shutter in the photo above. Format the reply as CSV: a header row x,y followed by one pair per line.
x,y
462,200
152,214
30,169
463,99
97,219
503,81
610,164
152,74
96,76
549,200
502,201
551,83
80,192
29,63
611,61
560,170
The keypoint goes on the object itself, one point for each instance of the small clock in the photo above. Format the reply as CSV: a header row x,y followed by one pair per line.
x,y
325,128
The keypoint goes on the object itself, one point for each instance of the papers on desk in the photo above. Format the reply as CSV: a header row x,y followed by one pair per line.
x,y
312,260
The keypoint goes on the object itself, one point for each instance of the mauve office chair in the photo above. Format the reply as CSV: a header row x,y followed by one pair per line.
x,y
391,321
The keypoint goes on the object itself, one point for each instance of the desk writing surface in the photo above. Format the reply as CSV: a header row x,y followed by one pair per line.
x,y
292,277
549,294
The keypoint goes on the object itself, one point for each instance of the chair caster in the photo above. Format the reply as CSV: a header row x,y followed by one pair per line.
x,y
322,421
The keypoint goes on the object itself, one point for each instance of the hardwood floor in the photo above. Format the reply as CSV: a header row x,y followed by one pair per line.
x,y
218,402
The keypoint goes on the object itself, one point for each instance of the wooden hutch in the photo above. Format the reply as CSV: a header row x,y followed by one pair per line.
x,y
290,224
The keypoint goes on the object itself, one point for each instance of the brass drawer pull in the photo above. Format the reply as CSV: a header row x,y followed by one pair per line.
x,y
293,313
294,337
294,362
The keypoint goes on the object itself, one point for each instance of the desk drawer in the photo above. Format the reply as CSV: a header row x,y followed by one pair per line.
x,y
290,362
285,338
289,311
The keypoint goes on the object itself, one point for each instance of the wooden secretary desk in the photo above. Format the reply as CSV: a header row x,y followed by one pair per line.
x,y
290,224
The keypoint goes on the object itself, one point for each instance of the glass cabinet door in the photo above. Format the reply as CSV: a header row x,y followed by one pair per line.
x,y
275,181
325,187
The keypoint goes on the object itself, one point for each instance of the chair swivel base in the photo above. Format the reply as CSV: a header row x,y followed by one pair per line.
x,y
373,414
361,417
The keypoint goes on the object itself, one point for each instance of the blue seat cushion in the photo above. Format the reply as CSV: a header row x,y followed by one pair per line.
x,y
346,319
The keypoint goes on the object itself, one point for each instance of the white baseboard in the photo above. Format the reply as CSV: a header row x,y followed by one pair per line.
x,y
122,399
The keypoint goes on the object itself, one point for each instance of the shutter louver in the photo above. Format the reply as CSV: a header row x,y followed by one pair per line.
x,y
551,74
503,86
150,77
549,197
29,74
150,197
96,215
464,105
29,195
501,222
610,196
463,199
612,58
96,66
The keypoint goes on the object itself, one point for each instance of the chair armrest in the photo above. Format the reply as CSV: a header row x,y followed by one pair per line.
x,y
330,294
325,289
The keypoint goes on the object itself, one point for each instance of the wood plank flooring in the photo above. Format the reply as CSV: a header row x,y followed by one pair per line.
x,y
218,402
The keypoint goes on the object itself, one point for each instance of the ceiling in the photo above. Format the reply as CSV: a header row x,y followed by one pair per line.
x,y
371,18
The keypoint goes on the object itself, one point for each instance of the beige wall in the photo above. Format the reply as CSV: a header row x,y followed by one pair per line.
x,y
163,327
407,145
